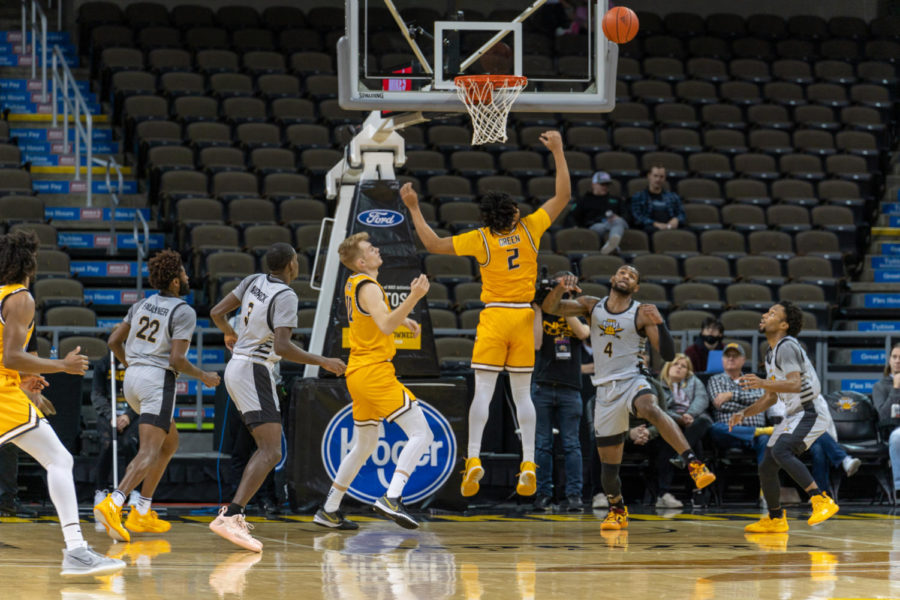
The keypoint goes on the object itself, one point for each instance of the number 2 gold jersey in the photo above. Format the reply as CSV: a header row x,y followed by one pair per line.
x,y
5,292
508,261
368,345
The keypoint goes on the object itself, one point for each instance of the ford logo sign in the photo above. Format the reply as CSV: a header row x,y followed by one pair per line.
x,y
380,218
432,471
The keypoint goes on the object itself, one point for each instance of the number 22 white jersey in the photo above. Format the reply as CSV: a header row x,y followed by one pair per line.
x,y
155,322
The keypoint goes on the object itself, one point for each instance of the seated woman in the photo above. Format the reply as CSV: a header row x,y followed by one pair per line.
x,y
886,396
686,401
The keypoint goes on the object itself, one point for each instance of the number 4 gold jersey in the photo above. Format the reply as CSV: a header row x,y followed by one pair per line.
x,y
508,261
155,322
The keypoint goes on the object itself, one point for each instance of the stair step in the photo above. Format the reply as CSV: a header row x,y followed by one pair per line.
x,y
55,134
93,213
35,97
51,169
30,148
47,117
16,84
24,60
100,240
10,48
66,186
15,35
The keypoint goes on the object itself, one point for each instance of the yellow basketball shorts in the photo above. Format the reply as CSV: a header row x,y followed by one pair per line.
x,y
504,339
377,394
17,413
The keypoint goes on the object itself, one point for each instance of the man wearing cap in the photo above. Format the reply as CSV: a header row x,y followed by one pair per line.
x,y
728,398
656,208
601,212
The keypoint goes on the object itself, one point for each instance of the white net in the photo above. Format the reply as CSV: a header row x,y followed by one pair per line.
x,y
488,99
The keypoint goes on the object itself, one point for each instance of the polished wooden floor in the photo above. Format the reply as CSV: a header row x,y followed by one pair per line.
x,y
854,555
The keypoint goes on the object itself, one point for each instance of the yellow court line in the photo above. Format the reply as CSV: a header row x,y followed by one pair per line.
x,y
205,519
480,518
688,517
299,518
876,516
566,518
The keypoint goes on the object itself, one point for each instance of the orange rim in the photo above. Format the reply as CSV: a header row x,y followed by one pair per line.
x,y
473,83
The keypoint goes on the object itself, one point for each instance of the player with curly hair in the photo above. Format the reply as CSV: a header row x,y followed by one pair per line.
x,y
152,342
21,423
506,249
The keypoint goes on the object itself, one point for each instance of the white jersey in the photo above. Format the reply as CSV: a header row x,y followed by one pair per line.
x,y
786,357
615,342
267,303
154,323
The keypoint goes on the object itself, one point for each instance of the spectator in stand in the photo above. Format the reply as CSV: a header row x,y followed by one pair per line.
x,y
686,401
655,208
601,212
886,396
712,332
728,398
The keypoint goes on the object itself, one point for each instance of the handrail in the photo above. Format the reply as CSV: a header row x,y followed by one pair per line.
x,y
143,248
312,279
111,164
35,10
79,107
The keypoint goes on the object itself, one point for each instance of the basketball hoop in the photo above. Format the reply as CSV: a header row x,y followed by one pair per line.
x,y
488,99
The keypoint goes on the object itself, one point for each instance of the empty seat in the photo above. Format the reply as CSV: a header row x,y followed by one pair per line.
x,y
748,296
740,320
726,244
681,320
234,184
788,218
775,244
760,269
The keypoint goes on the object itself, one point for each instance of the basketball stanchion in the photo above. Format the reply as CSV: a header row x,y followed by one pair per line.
x,y
488,99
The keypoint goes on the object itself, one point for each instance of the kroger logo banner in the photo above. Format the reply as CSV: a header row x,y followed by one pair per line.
x,y
380,218
432,471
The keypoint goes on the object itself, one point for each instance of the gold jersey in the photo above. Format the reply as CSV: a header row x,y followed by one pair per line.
x,y
508,261
368,345
5,292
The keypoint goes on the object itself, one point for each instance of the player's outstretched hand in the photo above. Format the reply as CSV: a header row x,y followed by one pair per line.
x,y
210,379
569,283
552,140
409,196
75,363
335,365
413,326
750,382
651,312
419,286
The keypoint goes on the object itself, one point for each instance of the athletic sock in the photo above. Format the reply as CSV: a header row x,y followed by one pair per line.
x,y
616,502
333,499
73,537
143,505
397,482
814,492
118,498
775,513
688,456
234,509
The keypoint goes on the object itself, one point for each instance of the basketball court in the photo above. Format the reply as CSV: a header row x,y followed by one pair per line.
x,y
510,556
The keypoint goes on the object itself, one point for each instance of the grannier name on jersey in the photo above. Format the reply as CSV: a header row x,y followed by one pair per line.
x,y
156,310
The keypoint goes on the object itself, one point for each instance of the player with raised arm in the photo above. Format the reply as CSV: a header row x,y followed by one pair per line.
x,y
21,423
619,325
269,314
506,249
791,378
373,384
152,342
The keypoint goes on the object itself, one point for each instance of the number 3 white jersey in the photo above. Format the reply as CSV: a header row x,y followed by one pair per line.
x,y
155,322
267,303
616,343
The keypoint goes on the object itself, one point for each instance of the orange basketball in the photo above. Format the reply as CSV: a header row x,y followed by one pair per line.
x,y
620,24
